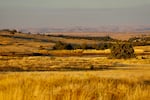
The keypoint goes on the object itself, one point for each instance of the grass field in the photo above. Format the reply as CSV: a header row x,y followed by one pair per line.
x,y
87,85
71,78
30,70
20,43
41,63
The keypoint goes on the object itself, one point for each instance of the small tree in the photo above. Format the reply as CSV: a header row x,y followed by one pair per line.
x,y
122,50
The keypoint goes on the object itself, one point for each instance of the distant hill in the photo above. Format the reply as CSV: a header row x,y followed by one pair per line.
x,y
109,28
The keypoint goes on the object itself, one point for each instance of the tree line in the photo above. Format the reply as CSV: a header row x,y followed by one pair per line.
x,y
68,46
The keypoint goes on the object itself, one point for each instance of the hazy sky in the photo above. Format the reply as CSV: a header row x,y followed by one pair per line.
x,y
68,13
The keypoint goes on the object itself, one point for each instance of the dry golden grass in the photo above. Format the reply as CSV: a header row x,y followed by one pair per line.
x,y
94,85
111,79
73,41
115,35
10,44
25,43
69,63
77,52
142,48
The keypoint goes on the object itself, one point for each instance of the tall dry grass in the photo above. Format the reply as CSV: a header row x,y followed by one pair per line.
x,y
34,63
71,86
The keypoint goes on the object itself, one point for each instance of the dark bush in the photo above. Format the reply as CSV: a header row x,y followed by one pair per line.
x,y
60,46
14,30
68,47
122,50
101,46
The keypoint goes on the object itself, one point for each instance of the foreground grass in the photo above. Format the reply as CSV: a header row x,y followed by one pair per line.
x,y
94,85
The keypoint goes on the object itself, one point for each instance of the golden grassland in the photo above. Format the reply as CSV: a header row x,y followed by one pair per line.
x,y
33,63
75,77
81,85
138,51
125,80
35,43
142,49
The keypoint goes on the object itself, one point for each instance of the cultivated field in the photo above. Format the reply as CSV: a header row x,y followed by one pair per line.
x,y
31,70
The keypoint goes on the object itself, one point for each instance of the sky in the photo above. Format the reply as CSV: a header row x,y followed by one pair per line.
x,y
69,13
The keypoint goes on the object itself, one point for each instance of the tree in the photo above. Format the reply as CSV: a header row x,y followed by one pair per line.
x,y
122,50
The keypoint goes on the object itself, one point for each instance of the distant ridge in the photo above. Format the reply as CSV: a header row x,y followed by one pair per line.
x,y
109,28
